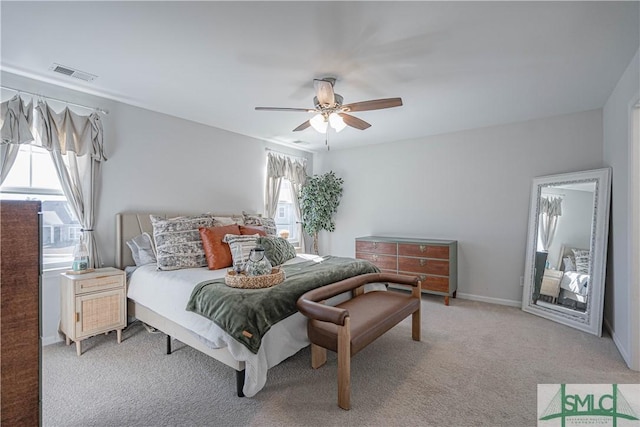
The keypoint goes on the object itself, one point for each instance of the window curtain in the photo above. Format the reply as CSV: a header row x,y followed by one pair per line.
x,y
17,119
279,167
550,211
275,172
76,146
296,173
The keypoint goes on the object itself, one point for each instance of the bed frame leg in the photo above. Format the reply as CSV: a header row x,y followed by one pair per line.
x,y
168,344
240,382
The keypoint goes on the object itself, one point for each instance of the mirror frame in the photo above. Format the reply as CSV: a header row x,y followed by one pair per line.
x,y
591,320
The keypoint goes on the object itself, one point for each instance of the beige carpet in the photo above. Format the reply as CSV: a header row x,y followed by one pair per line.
x,y
478,364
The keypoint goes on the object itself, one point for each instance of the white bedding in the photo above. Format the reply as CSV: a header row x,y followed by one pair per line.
x,y
576,283
167,294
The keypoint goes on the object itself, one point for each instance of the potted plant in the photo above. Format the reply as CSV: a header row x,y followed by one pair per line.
x,y
319,200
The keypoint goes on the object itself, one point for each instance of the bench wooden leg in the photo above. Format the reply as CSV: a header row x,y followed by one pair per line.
x,y
415,317
344,365
318,356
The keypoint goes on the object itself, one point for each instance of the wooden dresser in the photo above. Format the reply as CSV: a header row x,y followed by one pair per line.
x,y
20,319
435,261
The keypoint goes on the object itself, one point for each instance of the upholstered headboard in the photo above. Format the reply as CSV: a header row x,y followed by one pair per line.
x,y
130,224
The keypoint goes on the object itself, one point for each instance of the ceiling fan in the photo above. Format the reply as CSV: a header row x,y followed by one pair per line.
x,y
330,110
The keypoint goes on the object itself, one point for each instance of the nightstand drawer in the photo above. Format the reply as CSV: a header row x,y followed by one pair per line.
x,y
99,283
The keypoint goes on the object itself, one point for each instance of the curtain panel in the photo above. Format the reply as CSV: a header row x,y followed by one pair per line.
x,y
15,129
279,167
76,146
550,211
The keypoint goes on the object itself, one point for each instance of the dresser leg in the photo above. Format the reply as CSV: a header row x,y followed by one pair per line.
x,y
446,300
79,347
119,336
67,340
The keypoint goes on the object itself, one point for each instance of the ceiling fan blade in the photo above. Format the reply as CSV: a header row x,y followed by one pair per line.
x,y
374,104
303,126
306,110
324,92
354,122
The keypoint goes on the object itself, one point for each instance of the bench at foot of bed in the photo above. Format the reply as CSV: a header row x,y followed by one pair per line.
x,y
352,325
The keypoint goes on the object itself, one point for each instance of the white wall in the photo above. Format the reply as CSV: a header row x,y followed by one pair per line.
x,y
470,186
159,163
621,291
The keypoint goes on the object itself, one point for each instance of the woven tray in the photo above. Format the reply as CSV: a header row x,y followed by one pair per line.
x,y
241,280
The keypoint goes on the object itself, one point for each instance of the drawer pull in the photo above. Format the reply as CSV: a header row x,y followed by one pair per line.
x,y
423,277
375,245
423,248
374,257
423,262
77,317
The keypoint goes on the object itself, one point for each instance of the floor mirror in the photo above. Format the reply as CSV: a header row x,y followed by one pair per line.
x,y
566,250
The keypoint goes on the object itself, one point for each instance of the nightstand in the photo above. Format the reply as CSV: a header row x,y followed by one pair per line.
x,y
91,304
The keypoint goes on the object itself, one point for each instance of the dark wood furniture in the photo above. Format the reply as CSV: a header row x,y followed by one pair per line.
x,y
20,319
434,261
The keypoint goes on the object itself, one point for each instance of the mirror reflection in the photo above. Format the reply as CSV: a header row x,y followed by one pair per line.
x,y
566,252
563,253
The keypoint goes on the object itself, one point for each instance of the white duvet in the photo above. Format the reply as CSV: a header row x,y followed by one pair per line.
x,y
167,294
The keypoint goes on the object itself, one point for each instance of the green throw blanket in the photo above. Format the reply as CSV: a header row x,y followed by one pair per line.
x,y
247,314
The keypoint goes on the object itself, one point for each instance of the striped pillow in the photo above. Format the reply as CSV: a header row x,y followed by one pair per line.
x,y
178,242
241,246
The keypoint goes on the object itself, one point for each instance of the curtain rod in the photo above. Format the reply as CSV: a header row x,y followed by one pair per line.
x,y
285,154
100,110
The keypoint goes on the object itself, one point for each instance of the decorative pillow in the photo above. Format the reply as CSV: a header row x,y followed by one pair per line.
x,y
178,243
216,251
142,249
255,229
228,220
568,264
269,224
240,246
582,260
277,249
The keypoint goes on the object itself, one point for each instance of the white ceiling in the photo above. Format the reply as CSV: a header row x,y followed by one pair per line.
x,y
456,65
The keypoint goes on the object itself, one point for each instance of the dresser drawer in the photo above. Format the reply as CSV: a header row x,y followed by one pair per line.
x,y
423,265
99,283
376,247
383,262
435,283
425,251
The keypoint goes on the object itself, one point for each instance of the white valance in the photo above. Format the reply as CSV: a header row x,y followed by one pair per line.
x,y
17,119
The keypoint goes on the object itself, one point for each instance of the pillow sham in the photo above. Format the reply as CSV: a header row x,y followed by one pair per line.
x,y
568,264
217,253
269,224
254,229
228,220
277,250
178,243
582,260
240,246
142,249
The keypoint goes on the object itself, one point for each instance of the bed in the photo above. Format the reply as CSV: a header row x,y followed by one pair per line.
x,y
574,285
158,299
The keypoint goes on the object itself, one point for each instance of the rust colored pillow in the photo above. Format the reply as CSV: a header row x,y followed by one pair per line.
x,y
254,229
216,251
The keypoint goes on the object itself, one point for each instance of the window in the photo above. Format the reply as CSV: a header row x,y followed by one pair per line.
x,y
33,177
286,218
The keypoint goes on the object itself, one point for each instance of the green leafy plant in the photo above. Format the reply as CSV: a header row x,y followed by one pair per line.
x,y
319,200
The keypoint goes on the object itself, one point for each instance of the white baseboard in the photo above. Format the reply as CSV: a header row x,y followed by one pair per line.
x,y
626,356
51,340
490,300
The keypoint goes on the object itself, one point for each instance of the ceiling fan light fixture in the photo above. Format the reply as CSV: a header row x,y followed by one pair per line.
x,y
336,122
319,123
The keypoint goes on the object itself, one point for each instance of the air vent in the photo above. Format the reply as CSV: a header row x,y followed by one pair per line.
x,y
67,71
